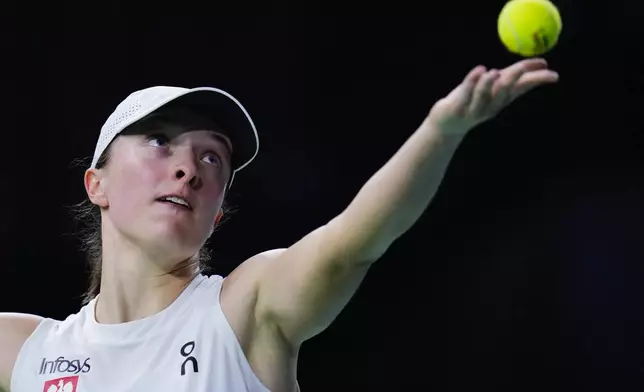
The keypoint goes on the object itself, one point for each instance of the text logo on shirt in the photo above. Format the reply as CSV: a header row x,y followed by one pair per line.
x,y
62,365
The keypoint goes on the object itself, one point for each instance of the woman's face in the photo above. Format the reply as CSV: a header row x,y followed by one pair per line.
x,y
163,187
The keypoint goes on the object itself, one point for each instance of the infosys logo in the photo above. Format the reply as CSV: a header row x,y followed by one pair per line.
x,y
62,365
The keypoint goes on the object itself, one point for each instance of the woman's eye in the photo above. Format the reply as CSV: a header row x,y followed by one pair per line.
x,y
157,140
212,159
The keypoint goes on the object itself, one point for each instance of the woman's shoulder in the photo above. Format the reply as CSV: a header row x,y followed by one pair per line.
x,y
19,321
15,329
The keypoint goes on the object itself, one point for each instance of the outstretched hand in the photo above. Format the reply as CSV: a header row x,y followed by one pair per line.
x,y
484,93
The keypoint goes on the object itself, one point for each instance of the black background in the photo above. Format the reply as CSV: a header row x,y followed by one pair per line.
x,y
525,272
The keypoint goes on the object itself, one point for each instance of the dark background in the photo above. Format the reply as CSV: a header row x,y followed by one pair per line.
x,y
525,273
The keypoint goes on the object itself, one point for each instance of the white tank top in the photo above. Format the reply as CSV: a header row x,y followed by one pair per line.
x,y
187,347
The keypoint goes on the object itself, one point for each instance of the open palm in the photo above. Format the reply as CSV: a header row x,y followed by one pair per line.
x,y
484,93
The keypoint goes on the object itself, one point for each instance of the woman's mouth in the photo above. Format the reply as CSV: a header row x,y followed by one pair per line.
x,y
176,200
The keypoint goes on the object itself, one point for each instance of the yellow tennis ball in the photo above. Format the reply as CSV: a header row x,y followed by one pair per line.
x,y
529,27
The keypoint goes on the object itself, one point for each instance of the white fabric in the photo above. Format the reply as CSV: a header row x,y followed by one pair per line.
x,y
187,347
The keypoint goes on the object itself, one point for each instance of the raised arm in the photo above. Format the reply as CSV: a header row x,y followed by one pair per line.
x,y
305,286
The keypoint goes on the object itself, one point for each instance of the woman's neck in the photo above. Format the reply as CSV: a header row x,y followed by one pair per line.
x,y
134,287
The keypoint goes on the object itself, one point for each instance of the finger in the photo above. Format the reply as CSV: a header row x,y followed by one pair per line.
x,y
482,92
531,80
514,72
475,73
464,90
473,77
511,75
532,64
501,89
527,65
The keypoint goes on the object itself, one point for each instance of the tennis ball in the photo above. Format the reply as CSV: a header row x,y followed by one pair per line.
x,y
529,27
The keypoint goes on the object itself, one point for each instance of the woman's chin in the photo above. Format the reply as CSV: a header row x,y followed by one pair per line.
x,y
178,240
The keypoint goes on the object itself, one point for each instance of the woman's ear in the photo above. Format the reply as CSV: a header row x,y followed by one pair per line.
x,y
95,187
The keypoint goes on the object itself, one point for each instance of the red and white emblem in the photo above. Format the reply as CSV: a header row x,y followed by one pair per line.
x,y
65,384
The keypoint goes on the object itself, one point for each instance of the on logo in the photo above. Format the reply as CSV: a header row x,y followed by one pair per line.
x,y
186,351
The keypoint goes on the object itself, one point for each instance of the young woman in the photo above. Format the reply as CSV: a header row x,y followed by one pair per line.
x,y
162,165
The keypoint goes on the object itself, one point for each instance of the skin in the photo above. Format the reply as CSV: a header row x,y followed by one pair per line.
x,y
278,299
144,239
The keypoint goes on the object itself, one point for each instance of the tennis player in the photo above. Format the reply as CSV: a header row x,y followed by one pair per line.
x,y
154,321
